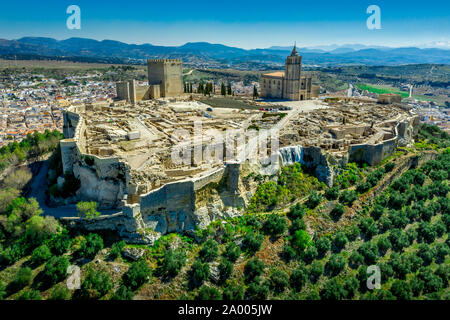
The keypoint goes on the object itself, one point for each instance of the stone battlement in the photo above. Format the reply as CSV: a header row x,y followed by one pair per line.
x,y
164,61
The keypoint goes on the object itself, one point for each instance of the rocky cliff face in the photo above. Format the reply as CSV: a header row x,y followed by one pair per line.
x,y
184,206
311,157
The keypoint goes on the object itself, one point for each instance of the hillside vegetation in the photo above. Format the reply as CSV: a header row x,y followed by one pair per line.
x,y
297,240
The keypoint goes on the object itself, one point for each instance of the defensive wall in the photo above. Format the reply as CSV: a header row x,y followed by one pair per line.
x,y
174,206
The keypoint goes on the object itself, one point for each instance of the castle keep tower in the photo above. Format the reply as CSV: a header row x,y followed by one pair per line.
x,y
168,74
293,70
165,79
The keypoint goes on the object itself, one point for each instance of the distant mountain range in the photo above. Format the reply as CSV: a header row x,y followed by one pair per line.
x,y
216,54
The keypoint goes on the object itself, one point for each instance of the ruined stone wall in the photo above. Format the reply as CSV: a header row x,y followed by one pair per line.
x,y
178,206
373,154
103,180
215,176
123,90
142,93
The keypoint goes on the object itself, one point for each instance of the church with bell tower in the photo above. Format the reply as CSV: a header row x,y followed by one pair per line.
x,y
288,85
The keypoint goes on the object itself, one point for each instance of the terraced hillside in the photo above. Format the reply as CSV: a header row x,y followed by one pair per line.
x,y
298,240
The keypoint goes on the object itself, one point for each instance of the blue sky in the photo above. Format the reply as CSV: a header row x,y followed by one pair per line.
x,y
244,23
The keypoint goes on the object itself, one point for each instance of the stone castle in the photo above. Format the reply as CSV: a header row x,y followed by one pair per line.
x,y
165,79
289,85
153,196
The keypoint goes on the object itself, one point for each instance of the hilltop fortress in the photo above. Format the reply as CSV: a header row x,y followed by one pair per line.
x,y
123,156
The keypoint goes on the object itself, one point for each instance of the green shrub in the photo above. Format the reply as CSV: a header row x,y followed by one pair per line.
x,y
88,210
386,271
136,275
352,233
314,199
296,212
274,225
415,262
116,250
355,259
233,292
388,167
2,290
363,187
432,283
200,271
400,264
443,272
383,245
40,255
60,293
297,224
252,241
172,262
398,218
337,211
439,228
22,279
336,264
96,284
123,293
426,253
208,293
398,239
232,252
332,193
209,251
368,227
351,285
288,253
279,280
323,245
253,269
442,251
347,197
426,232
91,246
298,278
300,240
369,251
377,212
316,270
333,290
384,224
340,240
30,295
310,254
257,291
396,200
401,290
61,243
416,285
225,269
56,269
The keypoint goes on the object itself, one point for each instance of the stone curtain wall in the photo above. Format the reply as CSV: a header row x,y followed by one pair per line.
x,y
375,153
172,207
103,180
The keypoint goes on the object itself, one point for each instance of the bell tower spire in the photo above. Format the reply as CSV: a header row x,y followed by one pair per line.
x,y
294,52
